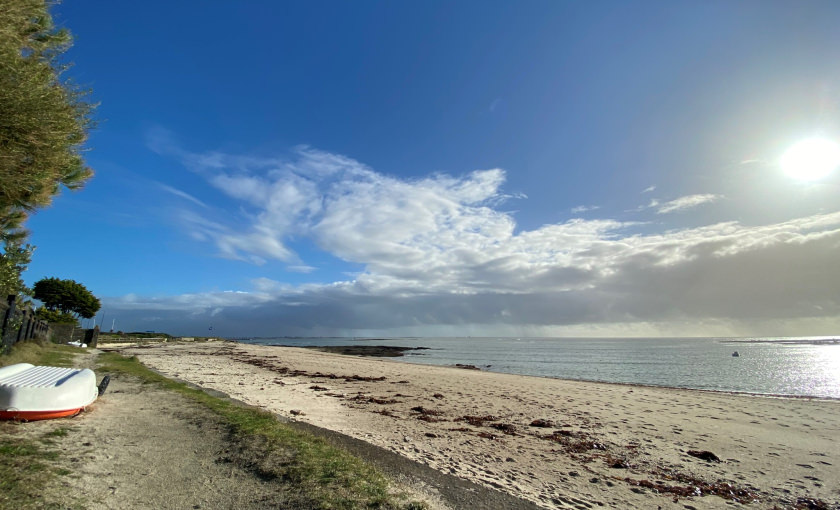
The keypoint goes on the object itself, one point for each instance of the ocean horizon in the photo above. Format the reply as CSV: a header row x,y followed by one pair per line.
x,y
784,366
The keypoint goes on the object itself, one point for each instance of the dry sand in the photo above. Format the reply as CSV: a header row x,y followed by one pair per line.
x,y
606,445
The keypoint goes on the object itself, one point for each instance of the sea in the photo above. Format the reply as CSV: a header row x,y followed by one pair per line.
x,y
806,366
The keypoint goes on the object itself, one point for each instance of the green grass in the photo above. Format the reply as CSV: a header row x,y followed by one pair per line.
x,y
59,432
41,353
26,466
323,475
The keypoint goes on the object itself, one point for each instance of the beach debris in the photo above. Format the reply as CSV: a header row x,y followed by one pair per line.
x,y
466,367
423,410
811,504
696,488
507,428
427,415
297,412
373,400
318,388
402,382
574,442
431,434
438,395
487,435
477,421
617,462
542,423
353,378
244,357
386,412
704,455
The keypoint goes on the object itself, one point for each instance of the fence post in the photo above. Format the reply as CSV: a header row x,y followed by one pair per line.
x,y
30,325
24,325
10,313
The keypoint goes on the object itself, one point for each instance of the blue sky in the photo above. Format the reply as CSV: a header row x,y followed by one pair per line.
x,y
453,168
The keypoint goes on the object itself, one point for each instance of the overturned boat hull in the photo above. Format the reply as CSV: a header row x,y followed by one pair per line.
x,y
29,392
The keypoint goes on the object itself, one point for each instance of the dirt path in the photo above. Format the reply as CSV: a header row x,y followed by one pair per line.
x,y
142,447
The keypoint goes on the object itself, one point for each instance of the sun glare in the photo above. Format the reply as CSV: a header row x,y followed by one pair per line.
x,y
811,159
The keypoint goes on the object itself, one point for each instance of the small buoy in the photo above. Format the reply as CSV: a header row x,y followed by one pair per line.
x,y
735,354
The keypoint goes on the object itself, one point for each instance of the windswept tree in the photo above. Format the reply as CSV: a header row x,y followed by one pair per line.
x,y
44,121
13,262
66,296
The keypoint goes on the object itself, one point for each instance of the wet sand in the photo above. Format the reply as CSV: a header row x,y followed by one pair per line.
x,y
557,443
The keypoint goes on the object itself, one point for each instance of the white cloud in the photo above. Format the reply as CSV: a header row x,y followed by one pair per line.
x,y
686,202
649,189
347,208
181,194
650,205
677,205
584,208
436,252
301,269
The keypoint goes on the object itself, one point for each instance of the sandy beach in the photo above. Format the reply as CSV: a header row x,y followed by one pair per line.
x,y
556,443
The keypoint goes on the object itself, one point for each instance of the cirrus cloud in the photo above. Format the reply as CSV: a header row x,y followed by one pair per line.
x,y
687,202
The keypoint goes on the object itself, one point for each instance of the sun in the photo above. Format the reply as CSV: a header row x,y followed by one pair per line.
x,y
811,159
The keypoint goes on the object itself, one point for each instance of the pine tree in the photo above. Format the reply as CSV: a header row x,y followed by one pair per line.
x,y
44,122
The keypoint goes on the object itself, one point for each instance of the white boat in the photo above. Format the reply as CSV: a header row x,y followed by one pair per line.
x,y
29,392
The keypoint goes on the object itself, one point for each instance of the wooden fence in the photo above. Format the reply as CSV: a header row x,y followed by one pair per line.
x,y
19,324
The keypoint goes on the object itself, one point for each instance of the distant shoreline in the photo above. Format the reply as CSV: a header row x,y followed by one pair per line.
x,y
704,365
379,351
369,351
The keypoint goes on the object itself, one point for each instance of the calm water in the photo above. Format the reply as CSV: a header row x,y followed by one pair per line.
x,y
702,363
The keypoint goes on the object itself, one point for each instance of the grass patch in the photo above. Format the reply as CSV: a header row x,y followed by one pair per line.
x,y
59,432
320,475
39,352
26,466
